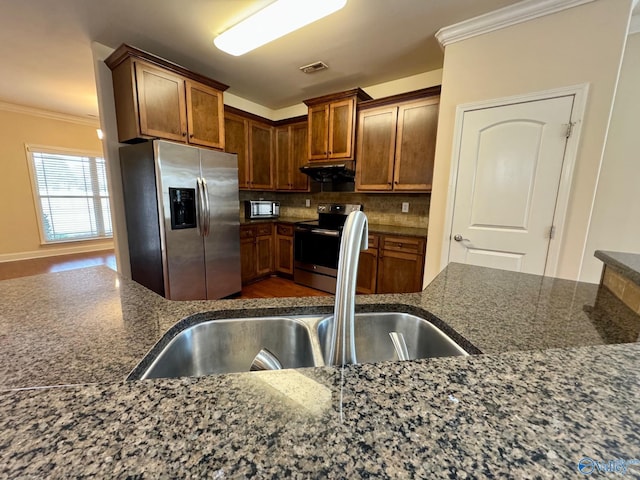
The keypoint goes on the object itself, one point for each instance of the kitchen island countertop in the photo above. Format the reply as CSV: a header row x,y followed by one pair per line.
x,y
521,407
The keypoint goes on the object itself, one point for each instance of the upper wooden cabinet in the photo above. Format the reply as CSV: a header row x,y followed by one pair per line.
x,y
396,145
205,115
155,98
291,154
251,138
260,156
236,131
332,125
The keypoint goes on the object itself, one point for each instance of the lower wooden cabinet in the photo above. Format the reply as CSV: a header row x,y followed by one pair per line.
x,y
391,264
256,251
368,267
284,249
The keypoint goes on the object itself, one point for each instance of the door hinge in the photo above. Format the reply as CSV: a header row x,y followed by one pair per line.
x,y
552,231
569,130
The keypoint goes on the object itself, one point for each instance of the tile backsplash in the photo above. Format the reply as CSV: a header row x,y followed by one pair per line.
x,y
381,208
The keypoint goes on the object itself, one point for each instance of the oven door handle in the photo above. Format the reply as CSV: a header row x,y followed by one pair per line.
x,y
328,233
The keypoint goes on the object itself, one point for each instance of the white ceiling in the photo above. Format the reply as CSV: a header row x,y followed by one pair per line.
x,y
45,46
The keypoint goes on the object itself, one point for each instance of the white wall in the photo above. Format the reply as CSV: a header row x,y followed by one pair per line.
x,y
615,222
110,145
579,45
379,90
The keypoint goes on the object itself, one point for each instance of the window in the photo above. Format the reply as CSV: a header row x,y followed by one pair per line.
x,y
70,189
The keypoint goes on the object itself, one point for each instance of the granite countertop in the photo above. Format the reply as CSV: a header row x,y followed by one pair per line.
x,y
373,227
249,221
518,410
627,264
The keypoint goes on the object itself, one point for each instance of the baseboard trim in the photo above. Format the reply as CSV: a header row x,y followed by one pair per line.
x,y
12,257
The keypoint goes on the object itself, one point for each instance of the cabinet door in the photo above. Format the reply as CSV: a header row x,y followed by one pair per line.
x,y
399,272
341,128
415,145
376,148
161,103
283,159
318,132
260,156
248,259
284,248
299,156
205,114
368,267
236,132
264,255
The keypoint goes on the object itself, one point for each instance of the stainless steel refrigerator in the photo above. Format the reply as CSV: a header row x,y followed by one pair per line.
x,y
182,214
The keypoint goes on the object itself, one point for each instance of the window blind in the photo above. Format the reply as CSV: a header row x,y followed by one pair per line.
x,y
72,195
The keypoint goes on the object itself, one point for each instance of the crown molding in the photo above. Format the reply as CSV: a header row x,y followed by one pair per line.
x,y
634,26
37,112
502,18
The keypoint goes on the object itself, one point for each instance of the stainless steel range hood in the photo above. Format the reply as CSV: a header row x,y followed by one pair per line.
x,y
334,173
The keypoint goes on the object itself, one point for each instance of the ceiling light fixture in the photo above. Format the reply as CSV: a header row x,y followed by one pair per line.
x,y
274,21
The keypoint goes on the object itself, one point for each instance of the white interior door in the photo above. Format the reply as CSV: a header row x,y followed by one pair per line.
x,y
509,170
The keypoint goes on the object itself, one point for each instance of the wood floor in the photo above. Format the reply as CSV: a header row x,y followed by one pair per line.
x,y
268,288
279,287
36,266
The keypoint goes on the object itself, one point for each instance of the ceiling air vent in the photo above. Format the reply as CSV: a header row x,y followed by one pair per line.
x,y
314,67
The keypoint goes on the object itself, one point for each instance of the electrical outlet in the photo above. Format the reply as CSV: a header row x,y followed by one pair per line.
x,y
307,202
405,207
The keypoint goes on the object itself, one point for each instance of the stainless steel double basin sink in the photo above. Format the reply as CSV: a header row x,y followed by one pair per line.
x,y
230,345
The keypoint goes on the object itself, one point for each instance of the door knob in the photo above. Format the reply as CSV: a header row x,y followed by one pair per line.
x,y
458,238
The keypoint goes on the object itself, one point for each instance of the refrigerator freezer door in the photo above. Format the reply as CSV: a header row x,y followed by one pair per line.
x,y
222,242
178,168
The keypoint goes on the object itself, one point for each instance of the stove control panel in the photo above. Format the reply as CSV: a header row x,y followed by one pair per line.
x,y
339,208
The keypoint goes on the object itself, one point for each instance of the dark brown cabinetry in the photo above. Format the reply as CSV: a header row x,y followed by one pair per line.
x,y
368,267
332,125
236,131
205,112
396,145
391,264
256,251
291,154
155,98
284,249
252,140
260,156
400,264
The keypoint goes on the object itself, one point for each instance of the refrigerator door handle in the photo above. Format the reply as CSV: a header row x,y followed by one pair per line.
x,y
200,205
207,210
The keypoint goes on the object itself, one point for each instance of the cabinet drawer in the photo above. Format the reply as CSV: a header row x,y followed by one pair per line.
x,y
284,229
403,244
247,232
373,241
265,229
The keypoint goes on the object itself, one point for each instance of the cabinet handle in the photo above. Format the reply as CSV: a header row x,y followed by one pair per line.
x,y
184,134
396,182
191,136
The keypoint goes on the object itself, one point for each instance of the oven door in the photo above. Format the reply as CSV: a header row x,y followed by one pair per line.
x,y
317,250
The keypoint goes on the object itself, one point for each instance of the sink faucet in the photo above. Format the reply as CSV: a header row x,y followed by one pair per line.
x,y
355,238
